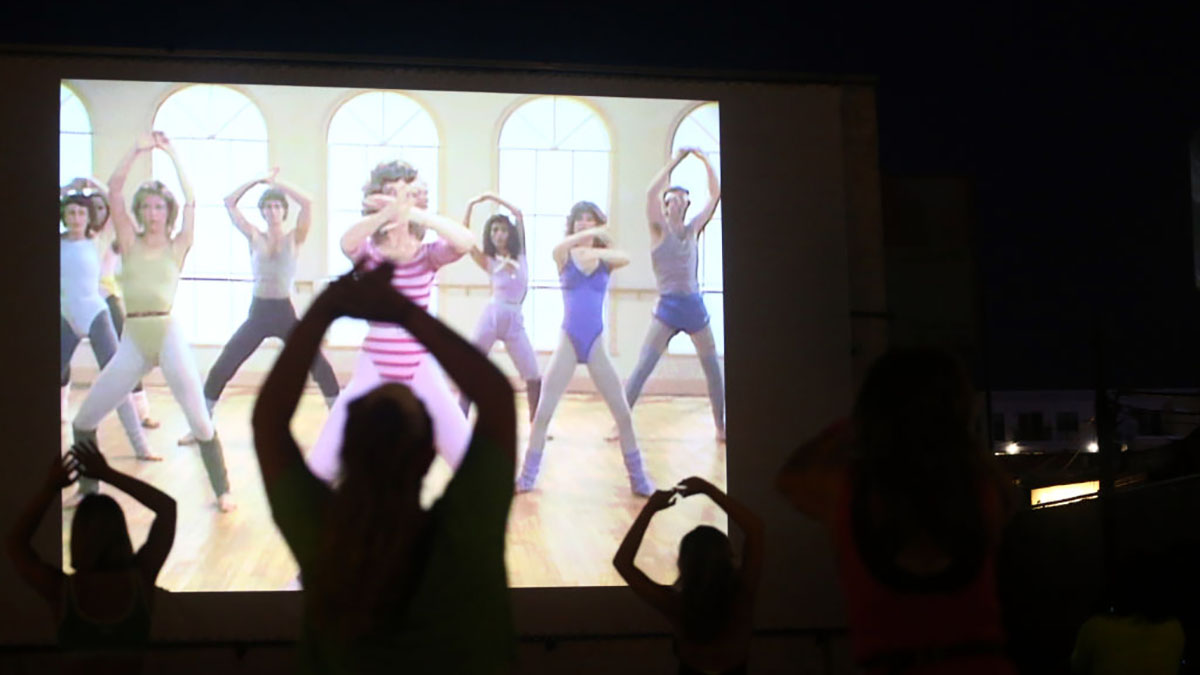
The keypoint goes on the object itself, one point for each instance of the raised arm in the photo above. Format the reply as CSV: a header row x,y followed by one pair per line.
x,y
153,553
122,219
370,296
563,248
45,578
476,252
182,242
354,238
235,214
459,237
654,194
751,524
657,595
714,194
476,376
304,218
613,257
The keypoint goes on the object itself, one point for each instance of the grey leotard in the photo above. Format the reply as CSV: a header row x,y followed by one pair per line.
x,y
273,272
675,259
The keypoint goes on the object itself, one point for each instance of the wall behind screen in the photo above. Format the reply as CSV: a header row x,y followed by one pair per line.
x,y
788,354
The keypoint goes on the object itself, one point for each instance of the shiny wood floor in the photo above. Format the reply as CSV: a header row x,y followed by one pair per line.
x,y
562,534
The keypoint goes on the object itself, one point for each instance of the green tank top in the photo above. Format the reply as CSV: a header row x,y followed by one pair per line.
x,y
148,279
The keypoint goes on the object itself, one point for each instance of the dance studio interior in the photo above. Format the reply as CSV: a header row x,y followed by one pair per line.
x,y
797,174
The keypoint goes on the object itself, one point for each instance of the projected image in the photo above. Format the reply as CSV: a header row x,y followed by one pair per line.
x,y
575,240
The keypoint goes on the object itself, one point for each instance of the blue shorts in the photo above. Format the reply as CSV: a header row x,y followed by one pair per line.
x,y
682,311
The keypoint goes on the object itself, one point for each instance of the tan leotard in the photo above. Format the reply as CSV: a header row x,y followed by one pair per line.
x,y
148,281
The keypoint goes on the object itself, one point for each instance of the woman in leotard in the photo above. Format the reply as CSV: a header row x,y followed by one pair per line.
x,y
711,606
273,261
151,262
584,263
83,312
106,605
100,227
503,258
393,233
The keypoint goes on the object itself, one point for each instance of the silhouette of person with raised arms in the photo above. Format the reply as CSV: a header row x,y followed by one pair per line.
x,y
711,606
389,586
107,603
915,509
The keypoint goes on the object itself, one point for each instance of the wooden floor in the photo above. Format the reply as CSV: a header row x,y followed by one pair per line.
x,y
562,534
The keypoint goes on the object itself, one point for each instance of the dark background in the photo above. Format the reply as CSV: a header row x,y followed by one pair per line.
x,y
1065,130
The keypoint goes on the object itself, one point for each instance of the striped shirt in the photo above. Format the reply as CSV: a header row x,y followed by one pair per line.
x,y
395,353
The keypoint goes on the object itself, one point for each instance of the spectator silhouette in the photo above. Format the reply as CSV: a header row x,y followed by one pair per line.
x,y
106,605
390,587
711,606
915,509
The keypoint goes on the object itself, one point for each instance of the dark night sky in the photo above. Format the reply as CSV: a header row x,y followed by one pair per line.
x,y
1072,123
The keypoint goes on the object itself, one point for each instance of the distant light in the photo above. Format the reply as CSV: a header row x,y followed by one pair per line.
x,y
1054,493
1012,448
1093,447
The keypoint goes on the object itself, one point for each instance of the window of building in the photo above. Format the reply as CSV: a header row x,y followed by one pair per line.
x,y
221,138
74,137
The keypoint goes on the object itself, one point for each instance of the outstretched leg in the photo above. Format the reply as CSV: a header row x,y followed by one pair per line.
x,y
451,433
658,336
68,341
706,350
103,338
554,384
283,322
241,345
111,386
179,369
485,337
140,402
520,350
325,456
609,383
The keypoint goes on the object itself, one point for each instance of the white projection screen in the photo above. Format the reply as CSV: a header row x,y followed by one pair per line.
x,y
777,269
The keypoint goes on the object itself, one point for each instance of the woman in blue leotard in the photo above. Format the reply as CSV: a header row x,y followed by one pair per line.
x,y
584,262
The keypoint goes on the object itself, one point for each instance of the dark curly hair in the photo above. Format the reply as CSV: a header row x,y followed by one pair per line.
x,y
515,245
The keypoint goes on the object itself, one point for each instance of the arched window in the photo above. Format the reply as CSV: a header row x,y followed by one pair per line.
x,y
74,137
554,152
221,139
370,128
701,129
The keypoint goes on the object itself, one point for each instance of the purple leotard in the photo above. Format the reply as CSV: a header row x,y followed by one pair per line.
x,y
502,318
583,305
509,282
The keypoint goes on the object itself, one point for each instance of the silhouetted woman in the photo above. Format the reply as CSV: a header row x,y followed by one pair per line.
x,y
711,606
915,507
388,586
107,603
